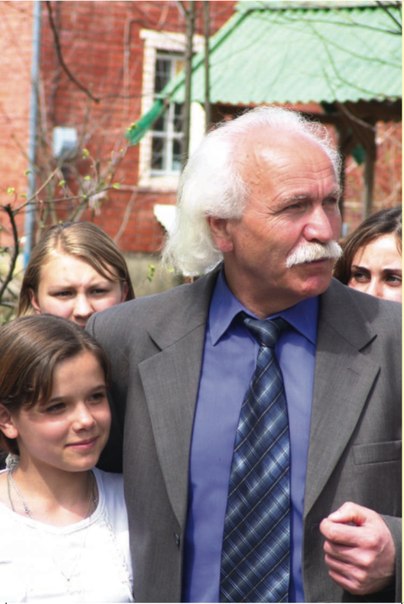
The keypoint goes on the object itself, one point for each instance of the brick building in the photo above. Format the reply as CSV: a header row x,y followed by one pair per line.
x,y
112,50
75,75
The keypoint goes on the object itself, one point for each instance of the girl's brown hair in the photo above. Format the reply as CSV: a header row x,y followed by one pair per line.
x,y
30,349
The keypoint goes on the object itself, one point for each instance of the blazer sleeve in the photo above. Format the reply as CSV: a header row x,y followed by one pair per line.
x,y
395,527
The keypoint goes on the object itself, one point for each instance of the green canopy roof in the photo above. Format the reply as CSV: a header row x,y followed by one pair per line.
x,y
300,55
301,52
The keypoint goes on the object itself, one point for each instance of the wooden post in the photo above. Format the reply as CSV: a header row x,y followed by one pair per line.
x,y
369,176
189,32
206,31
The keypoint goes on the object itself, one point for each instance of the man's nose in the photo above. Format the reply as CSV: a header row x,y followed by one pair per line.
x,y
319,227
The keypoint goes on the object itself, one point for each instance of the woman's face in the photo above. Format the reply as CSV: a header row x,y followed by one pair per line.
x,y
72,289
376,269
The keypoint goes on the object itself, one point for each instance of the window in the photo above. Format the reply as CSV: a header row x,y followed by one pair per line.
x,y
161,148
167,133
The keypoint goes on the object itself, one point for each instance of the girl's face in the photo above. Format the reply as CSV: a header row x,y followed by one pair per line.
x,y
71,288
376,269
68,431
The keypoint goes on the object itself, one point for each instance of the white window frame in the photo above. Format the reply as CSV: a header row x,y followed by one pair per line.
x,y
168,42
169,135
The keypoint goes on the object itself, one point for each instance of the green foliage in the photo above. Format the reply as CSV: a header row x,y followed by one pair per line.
x,y
151,271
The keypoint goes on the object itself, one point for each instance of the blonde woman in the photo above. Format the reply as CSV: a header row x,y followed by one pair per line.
x,y
75,269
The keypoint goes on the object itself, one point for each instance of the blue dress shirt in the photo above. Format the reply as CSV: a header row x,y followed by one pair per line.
x,y
229,360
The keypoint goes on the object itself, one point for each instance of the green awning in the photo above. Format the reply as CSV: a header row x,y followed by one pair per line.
x,y
301,52
138,129
303,55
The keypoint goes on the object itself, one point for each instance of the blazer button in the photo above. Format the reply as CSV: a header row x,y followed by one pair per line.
x,y
177,539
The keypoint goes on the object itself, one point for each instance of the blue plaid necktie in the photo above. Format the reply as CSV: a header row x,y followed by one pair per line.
x,y
256,538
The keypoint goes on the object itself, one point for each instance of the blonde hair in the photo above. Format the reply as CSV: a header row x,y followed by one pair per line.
x,y
84,240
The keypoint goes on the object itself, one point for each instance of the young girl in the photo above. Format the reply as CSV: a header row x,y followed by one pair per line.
x,y
63,523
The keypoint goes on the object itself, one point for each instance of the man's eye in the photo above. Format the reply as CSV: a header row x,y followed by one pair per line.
x,y
299,205
331,201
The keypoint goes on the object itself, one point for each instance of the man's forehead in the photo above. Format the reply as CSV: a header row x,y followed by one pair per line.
x,y
277,146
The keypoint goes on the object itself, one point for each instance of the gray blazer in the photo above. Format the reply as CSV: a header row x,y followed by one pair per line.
x,y
155,345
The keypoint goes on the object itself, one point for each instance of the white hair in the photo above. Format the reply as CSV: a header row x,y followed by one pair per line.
x,y
211,184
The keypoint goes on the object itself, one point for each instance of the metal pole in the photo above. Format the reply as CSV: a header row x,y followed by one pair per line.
x,y
33,122
206,28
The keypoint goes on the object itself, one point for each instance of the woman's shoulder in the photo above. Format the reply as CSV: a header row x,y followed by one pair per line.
x,y
112,499
108,480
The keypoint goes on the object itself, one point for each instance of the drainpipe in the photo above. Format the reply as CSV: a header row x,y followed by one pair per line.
x,y
33,124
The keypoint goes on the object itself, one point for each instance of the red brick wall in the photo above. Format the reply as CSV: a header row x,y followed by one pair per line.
x,y
101,44
15,91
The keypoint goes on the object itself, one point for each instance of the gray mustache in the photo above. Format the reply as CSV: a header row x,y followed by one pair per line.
x,y
309,252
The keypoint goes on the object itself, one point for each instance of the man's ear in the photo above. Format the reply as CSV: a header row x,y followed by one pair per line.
x,y
219,228
7,425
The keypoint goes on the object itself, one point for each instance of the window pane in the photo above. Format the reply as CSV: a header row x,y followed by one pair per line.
x,y
179,65
162,73
177,155
178,117
157,153
159,125
167,131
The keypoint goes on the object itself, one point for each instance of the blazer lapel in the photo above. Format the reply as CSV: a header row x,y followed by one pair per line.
x,y
171,379
343,380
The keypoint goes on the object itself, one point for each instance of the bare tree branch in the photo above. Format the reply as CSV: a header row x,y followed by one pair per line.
x,y
126,216
13,260
390,14
60,55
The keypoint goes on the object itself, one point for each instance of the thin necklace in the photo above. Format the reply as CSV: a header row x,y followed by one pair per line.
x,y
12,485
68,575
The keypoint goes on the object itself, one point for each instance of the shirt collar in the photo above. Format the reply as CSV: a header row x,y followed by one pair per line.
x,y
225,306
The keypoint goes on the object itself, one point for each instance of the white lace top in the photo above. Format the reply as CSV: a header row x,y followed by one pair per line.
x,y
88,561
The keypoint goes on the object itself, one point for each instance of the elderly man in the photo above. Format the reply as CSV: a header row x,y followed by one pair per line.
x,y
258,408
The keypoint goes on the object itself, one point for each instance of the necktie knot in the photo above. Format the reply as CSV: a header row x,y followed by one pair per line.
x,y
266,331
